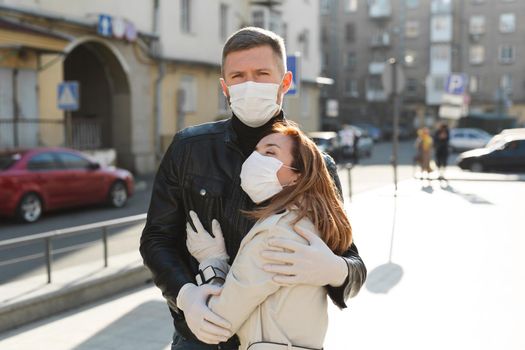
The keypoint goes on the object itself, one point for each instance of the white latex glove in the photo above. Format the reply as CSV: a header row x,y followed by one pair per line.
x,y
297,263
203,323
201,244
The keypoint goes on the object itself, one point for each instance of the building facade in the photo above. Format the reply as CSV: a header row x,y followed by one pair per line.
x,y
430,39
145,71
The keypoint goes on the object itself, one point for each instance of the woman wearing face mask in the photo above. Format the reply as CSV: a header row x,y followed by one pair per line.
x,y
288,179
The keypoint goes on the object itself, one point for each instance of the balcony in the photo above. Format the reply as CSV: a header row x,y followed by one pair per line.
x,y
380,9
376,95
376,68
380,40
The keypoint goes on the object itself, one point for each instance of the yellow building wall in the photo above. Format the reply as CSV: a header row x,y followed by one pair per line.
x,y
207,98
49,77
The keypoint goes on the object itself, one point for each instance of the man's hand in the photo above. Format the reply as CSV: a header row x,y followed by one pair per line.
x,y
313,264
201,244
204,324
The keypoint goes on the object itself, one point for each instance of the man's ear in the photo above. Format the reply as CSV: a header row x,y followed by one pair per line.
x,y
224,87
287,82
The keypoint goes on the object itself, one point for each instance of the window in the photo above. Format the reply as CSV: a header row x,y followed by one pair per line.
x,y
350,60
412,4
304,39
325,6
477,25
351,5
441,6
506,82
258,18
412,29
223,21
72,161
507,54
476,54
474,84
42,161
439,83
410,58
305,103
185,16
351,87
412,85
507,23
189,102
350,32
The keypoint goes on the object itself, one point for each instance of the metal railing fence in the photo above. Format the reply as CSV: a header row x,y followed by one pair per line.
x,y
48,237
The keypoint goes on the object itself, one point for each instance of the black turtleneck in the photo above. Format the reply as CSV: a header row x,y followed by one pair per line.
x,y
247,137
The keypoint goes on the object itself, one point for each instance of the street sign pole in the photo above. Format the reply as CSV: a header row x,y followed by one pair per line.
x,y
395,127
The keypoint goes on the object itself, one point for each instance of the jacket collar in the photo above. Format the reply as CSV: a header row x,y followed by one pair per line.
x,y
263,225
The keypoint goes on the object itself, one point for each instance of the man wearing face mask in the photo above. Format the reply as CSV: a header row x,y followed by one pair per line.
x,y
200,172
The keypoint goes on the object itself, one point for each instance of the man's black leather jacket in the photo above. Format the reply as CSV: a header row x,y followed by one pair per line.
x,y
200,172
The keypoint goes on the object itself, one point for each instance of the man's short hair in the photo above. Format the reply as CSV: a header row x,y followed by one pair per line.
x,y
250,37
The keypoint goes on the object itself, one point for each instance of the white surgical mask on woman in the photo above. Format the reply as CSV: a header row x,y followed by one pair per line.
x,y
254,103
259,177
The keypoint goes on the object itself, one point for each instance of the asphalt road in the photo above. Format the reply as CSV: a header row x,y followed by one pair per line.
x,y
370,173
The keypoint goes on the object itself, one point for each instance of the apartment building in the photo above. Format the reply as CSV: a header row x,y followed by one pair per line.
x,y
431,39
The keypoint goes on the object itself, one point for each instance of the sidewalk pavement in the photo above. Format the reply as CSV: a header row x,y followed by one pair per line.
x,y
446,271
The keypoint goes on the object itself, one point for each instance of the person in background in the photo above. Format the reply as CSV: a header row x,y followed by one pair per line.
x,y
423,146
441,147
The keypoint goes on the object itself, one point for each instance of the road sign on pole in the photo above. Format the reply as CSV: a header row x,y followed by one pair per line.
x,y
456,84
105,27
292,63
68,95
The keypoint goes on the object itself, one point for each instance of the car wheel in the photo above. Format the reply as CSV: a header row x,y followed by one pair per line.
x,y
476,167
30,208
118,195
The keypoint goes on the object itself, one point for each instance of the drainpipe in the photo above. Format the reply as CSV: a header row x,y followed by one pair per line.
x,y
157,52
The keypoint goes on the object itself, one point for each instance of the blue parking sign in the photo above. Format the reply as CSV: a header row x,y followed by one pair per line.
x,y
293,66
456,84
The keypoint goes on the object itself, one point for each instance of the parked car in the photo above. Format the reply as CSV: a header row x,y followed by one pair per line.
x,y
404,132
507,155
464,139
373,131
326,141
43,179
506,132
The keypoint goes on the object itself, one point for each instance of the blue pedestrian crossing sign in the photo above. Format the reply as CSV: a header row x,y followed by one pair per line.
x,y
292,63
68,95
105,25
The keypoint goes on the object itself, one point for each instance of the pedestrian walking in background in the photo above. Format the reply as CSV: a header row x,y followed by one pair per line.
x,y
287,177
441,140
423,146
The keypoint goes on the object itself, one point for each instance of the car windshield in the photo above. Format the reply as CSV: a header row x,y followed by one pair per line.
x,y
7,160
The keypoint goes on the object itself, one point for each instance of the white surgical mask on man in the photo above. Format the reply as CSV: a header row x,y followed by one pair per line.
x,y
259,177
254,103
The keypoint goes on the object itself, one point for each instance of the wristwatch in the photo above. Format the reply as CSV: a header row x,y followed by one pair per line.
x,y
209,273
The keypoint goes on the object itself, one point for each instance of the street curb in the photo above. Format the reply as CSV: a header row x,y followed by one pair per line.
x,y
44,306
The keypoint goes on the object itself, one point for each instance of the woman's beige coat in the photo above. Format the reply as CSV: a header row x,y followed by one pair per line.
x,y
260,309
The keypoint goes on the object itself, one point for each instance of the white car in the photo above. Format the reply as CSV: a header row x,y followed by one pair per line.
x,y
464,139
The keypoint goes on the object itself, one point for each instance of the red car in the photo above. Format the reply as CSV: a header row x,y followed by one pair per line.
x,y
43,179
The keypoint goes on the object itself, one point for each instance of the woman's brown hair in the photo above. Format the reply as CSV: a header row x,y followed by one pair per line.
x,y
314,193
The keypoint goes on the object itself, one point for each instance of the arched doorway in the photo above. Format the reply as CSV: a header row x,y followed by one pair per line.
x,y
103,119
